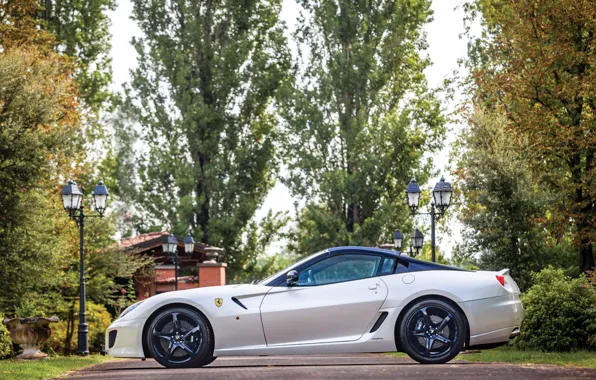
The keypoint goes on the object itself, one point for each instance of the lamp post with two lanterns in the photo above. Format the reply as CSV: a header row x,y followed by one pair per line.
x,y
417,241
72,200
170,247
439,204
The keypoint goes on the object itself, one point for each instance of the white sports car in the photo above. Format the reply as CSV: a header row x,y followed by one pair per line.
x,y
345,299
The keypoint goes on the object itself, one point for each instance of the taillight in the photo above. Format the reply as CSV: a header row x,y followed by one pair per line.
x,y
501,280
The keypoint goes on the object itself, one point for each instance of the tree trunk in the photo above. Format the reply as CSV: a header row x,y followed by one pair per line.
x,y
586,256
69,330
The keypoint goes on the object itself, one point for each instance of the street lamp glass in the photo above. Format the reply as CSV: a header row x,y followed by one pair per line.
x,y
397,240
442,194
417,239
189,244
413,195
170,246
100,197
71,196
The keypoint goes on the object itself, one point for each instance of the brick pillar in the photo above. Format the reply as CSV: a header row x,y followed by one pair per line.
x,y
212,274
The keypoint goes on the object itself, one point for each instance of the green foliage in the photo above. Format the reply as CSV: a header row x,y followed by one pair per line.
x,y
64,336
28,309
203,95
5,341
535,61
560,313
38,143
247,260
37,123
82,32
506,211
358,119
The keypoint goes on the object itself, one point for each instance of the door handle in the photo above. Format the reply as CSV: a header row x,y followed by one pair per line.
x,y
374,287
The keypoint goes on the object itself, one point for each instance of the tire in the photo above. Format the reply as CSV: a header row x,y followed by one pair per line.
x,y
209,361
180,338
432,332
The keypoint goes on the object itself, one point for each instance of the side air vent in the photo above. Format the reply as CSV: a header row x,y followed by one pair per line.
x,y
112,338
239,303
379,321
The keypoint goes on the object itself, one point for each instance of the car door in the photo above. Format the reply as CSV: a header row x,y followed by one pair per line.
x,y
335,300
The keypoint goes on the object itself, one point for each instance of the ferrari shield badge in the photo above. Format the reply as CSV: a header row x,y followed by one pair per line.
x,y
218,302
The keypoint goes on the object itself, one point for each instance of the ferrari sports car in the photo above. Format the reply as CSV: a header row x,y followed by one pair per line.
x,y
340,300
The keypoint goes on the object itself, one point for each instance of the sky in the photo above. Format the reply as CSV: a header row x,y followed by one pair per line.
x,y
445,48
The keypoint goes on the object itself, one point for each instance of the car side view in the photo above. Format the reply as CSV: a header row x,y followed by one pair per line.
x,y
340,300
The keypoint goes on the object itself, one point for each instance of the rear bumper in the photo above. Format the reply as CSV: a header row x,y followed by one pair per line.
x,y
494,320
127,342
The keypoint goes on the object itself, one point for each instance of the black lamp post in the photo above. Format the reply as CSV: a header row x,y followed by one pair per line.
x,y
170,248
72,200
441,200
397,240
189,245
417,241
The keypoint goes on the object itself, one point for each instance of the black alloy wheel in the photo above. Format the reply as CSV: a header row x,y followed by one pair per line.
x,y
180,338
432,332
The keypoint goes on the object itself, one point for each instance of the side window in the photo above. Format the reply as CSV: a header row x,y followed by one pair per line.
x,y
388,266
339,268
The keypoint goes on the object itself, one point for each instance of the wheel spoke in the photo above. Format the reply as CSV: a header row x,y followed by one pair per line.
x,y
163,335
443,340
172,348
177,327
429,345
183,346
427,321
444,323
420,334
190,332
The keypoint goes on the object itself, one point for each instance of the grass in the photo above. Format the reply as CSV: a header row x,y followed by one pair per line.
x,y
510,355
48,368
584,359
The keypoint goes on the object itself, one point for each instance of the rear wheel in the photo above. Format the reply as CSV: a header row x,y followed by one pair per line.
x,y
180,338
432,332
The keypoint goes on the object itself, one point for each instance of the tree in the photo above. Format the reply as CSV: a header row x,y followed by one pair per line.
x,y
40,145
537,61
506,211
358,120
81,29
203,95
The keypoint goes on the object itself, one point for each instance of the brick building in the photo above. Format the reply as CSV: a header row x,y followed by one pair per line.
x,y
199,269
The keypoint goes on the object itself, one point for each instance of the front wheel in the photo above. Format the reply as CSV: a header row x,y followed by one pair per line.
x,y
432,332
180,338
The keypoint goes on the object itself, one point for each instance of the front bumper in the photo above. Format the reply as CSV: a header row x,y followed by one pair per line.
x,y
493,320
128,342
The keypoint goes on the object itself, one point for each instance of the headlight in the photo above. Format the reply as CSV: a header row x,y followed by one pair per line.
x,y
129,309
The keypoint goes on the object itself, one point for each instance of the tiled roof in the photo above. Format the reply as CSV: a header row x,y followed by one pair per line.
x,y
151,240
129,242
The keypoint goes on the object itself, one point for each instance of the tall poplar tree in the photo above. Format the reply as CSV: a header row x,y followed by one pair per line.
x,y
203,94
360,119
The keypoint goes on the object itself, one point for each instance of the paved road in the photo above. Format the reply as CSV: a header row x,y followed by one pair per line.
x,y
362,366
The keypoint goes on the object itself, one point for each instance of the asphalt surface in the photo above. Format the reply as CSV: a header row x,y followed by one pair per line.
x,y
352,366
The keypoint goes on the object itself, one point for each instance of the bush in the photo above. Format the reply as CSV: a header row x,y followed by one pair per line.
x,y
560,313
5,341
98,319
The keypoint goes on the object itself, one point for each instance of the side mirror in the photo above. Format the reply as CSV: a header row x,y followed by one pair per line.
x,y
292,278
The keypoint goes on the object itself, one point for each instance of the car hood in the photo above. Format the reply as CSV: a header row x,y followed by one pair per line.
x,y
201,298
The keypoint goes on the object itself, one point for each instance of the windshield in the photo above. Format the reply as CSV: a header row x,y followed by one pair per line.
x,y
265,281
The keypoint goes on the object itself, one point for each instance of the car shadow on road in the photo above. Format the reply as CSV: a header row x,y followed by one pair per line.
x,y
153,368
